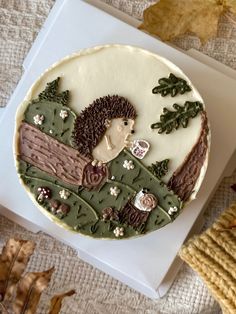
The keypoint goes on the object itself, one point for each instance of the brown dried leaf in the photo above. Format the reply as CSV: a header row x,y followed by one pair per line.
x,y
56,301
13,261
233,187
29,291
171,18
232,225
3,309
230,5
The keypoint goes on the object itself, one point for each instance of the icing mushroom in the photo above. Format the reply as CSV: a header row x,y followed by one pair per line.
x,y
44,193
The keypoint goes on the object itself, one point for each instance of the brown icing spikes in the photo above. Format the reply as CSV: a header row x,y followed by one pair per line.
x,y
90,125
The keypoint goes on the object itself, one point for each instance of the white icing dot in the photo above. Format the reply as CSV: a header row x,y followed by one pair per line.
x,y
50,131
113,178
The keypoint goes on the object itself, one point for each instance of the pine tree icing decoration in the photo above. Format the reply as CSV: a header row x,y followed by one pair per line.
x,y
51,114
160,168
173,85
172,120
50,93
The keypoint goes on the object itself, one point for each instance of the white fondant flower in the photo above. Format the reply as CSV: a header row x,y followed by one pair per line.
x,y
128,164
118,232
38,119
114,191
63,114
172,210
64,194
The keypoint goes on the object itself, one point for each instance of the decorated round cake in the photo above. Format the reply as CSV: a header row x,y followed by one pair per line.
x,y
112,142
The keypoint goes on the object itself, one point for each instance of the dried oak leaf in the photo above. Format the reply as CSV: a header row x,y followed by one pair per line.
x,y
233,187
56,301
29,290
169,19
13,261
230,5
232,224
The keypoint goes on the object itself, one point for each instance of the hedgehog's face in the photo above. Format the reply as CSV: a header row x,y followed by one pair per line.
x,y
114,140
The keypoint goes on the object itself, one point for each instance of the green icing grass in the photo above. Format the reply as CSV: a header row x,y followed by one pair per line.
x,y
86,205
61,129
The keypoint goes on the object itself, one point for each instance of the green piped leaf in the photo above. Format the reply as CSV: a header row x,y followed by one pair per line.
x,y
173,85
172,120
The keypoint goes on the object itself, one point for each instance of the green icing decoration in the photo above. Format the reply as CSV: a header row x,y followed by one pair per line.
x,y
53,124
49,104
173,85
51,93
86,206
60,187
160,168
172,120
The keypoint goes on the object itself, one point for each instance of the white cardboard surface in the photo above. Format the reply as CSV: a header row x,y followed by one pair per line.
x,y
144,262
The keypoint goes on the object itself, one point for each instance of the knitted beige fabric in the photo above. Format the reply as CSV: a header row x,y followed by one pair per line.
x,y
98,293
213,256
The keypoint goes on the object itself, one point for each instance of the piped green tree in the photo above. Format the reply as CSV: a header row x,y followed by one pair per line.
x,y
160,168
51,93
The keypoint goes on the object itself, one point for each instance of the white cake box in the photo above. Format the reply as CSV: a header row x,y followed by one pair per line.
x,y
148,264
